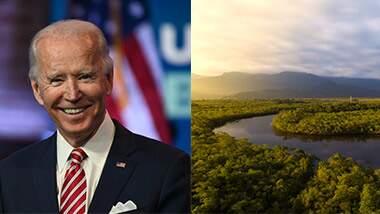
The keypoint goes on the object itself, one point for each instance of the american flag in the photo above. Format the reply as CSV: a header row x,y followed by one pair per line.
x,y
137,99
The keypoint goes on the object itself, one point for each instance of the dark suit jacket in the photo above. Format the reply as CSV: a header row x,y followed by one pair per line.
x,y
156,177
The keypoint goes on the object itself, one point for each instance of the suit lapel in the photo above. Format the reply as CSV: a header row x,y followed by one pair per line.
x,y
45,176
116,172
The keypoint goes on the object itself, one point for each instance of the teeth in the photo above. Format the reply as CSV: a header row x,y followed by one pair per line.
x,y
73,110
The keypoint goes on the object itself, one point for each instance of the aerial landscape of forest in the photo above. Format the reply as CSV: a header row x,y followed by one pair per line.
x,y
235,175
285,106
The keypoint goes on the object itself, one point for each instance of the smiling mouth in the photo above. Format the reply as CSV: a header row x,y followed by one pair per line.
x,y
73,111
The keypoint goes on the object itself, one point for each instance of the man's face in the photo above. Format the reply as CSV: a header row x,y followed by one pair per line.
x,y
72,85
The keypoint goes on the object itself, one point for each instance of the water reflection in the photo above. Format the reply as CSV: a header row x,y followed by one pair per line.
x,y
258,130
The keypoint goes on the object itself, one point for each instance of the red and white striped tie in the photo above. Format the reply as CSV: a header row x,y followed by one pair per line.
x,y
74,188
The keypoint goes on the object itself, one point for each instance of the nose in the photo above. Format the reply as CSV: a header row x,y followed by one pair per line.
x,y
72,91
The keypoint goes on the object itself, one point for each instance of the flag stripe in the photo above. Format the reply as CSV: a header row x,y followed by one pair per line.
x,y
113,108
144,34
137,108
147,84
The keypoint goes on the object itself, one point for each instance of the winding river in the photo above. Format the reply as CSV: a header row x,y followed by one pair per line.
x,y
258,130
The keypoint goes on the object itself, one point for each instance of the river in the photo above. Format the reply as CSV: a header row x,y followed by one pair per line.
x,y
258,130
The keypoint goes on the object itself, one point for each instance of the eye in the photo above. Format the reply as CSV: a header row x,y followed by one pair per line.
x,y
88,76
56,81
85,76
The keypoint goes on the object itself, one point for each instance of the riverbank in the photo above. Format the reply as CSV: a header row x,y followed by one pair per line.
x,y
259,131
344,119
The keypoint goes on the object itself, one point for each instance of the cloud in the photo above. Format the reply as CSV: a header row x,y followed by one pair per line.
x,y
336,38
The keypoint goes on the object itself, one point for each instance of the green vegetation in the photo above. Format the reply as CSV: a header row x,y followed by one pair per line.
x,y
233,176
331,119
340,185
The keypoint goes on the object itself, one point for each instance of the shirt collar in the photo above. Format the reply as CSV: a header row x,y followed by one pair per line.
x,y
96,148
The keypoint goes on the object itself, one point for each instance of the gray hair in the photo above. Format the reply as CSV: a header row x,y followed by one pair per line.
x,y
64,29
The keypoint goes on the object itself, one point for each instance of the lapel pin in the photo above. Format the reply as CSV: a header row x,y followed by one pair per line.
x,y
121,164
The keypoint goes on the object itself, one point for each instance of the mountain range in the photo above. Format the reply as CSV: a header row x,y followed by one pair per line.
x,y
287,84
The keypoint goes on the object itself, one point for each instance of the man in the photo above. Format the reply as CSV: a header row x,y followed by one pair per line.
x,y
91,164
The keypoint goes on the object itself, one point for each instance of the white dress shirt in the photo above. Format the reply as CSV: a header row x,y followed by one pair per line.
x,y
97,149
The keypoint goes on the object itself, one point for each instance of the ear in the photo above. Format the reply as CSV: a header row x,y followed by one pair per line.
x,y
109,82
37,92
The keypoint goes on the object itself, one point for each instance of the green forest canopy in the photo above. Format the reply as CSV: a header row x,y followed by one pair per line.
x,y
232,175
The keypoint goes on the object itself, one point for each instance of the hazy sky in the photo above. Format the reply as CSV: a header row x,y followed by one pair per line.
x,y
324,37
